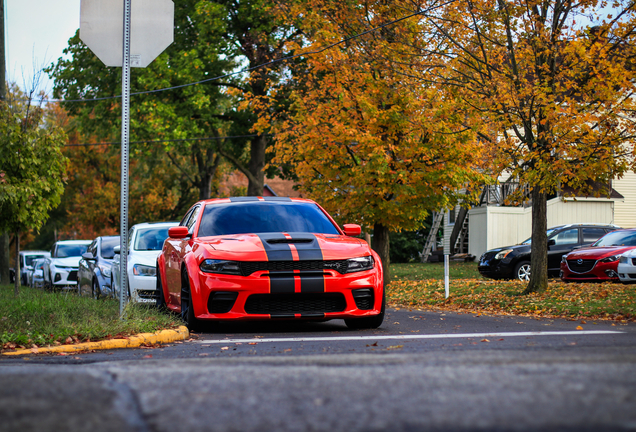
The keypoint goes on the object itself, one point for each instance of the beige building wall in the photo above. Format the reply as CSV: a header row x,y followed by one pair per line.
x,y
491,227
625,211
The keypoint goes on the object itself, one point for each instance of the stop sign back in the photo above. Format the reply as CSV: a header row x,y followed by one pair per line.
x,y
151,29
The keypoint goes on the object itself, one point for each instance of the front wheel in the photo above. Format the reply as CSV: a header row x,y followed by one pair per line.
x,y
96,291
371,322
187,311
522,271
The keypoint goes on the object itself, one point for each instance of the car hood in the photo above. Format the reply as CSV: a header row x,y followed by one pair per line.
x,y
66,262
281,247
148,258
515,248
597,252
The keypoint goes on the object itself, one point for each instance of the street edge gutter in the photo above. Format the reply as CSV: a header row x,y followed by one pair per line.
x,y
162,336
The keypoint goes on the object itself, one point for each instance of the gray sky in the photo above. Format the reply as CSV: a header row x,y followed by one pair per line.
x,y
37,31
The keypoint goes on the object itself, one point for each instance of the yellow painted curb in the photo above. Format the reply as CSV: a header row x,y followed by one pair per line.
x,y
163,336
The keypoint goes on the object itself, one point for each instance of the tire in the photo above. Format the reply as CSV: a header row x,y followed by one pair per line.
x,y
522,271
371,322
96,292
187,311
48,286
161,299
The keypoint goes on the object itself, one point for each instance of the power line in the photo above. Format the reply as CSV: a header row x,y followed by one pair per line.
x,y
269,63
160,141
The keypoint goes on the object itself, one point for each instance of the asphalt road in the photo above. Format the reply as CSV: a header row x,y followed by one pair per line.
x,y
420,371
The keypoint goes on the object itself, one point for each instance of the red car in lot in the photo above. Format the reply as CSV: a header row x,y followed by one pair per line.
x,y
598,262
259,258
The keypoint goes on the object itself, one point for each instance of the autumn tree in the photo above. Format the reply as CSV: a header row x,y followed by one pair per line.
x,y
212,39
552,83
372,145
31,168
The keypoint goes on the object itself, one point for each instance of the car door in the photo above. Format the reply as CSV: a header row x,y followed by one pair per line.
x,y
174,255
564,241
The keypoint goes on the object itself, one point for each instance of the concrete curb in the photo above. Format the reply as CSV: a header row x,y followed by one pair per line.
x,y
163,336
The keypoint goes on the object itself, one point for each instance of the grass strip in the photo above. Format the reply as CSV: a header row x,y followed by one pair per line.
x,y
612,301
36,318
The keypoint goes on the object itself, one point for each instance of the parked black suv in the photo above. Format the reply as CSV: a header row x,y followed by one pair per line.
x,y
513,262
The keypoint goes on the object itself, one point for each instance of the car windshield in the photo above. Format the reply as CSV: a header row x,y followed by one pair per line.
x,y
28,259
150,239
264,217
550,232
617,238
108,245
70,250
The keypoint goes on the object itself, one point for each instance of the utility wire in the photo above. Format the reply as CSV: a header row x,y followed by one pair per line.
x,y
160,141
275,61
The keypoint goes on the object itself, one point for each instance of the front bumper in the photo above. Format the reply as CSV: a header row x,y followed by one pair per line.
x,y
64,277
598,273
312,295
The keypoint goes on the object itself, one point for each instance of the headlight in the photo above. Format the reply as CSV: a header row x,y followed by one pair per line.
x,y
220,266
564,259
502,254
359,264
144,270
105,270
610,259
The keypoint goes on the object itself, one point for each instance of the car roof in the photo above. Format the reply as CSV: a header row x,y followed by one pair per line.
x,y
155,224
73,242
592,224
252,199
34,252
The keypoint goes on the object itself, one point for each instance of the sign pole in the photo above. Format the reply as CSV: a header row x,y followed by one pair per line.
x,y
125,134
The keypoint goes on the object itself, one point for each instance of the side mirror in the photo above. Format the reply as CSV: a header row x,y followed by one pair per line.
x,y
117,249
551,242
88,256
352,230
178,232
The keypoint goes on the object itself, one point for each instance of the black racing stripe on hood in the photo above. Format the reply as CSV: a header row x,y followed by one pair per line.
x,y
307,250
278,250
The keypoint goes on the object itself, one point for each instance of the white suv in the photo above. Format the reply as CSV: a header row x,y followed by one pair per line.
x,y
60,270
145,242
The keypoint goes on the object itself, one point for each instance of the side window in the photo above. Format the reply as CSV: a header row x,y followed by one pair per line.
x,y
193,219
567,237
131,234
185,219
590,235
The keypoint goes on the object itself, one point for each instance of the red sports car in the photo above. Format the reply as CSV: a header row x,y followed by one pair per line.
x,y
256,258
599,261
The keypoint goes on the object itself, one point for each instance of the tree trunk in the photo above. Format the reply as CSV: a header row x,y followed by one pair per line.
x,y
16,287
380,244
539,247
256,166
5,253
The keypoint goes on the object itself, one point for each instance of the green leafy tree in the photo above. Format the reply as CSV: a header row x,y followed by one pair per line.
x,y
31,170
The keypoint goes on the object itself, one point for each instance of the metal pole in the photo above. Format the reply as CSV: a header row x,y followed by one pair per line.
x,y
125,125
446,275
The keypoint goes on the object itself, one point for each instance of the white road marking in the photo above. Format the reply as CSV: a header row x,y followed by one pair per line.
x,y
410,337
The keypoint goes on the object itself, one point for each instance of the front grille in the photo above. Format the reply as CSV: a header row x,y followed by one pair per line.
x,y
147,294
297,303
363,298
221,301
72,276
249,267
634,261
585,266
